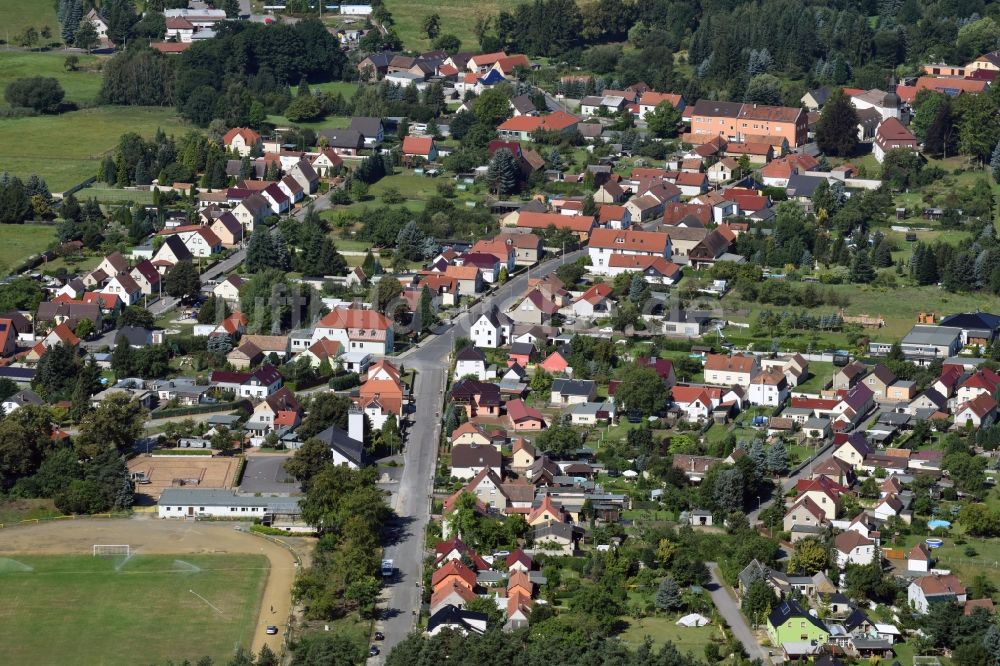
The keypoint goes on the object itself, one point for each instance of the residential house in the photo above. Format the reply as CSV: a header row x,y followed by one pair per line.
x,y
468,460
520,128
523,417
252,211
371,129
347,448
607,243
890,135
594,303
854,450
229,289
734,370
357,330
768,388
382,394
242,140
471,362
456,619
980,412
147,277
572,391
419,146
534,308
125,288
476,398
788,622
804,512
491,330
853,548
170,253
934,588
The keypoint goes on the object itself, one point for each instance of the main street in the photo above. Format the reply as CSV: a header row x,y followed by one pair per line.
x,y
413,496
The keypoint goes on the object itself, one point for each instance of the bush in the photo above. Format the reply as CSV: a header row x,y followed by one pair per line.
x,y
344,382
39,93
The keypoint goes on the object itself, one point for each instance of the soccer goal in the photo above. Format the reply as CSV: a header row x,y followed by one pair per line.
x,y
104,550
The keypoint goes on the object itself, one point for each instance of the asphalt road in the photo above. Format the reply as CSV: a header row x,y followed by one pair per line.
x,y
413,495
729,609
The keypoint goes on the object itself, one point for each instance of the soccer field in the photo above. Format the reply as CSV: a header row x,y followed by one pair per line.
x,y
144,609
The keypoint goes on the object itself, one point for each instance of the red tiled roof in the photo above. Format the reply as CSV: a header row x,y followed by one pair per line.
x,y
558,121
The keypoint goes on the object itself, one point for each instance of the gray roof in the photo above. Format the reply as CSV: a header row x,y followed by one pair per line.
x,y
591,408
219,497
26,397
369,127
339,441
134,336
803,186
922,334
573,386
342,138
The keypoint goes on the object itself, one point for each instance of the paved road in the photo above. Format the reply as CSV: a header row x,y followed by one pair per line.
x,y
804,473
729,609
412,501
229,264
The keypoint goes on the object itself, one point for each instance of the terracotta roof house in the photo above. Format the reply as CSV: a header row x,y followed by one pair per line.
x,y
522,127
420,146
523,417
454,571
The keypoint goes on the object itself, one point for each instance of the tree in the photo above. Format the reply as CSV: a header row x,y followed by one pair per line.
x,y
763,89
837,128
86,36
757,601
56,372
641,391
116,423
502,172
25,439
447,43
304,109
137,316
182,280
260,252
663,121
995,163
431,25
861,267
811,555
120,16
39,93
777,458
123,358
560,439
308,461
321,648
668,595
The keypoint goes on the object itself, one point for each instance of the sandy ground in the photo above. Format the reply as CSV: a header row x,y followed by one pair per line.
x,y
193,471
169,537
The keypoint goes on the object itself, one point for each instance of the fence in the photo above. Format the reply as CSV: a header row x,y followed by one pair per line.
x,y
35,521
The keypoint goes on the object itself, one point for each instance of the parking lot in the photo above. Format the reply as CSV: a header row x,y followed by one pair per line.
x,y
265,473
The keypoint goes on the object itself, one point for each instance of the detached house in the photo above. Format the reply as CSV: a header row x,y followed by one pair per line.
x,y
419,146
935,588
768,388
853,548
492,329
735,370
243,140
607,243
890,135
980,412
357,330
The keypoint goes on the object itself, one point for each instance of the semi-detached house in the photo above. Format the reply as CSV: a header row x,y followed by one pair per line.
x,y
357,330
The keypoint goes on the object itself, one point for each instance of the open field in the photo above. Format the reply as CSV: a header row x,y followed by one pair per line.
x,y
345,88
81,86
663,629
134,608
20,14
201,472
20,241
331,122
65,149
457,18
161,537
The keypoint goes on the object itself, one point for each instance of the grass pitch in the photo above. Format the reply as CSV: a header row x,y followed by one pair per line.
x,y
144,609
457,18
20,241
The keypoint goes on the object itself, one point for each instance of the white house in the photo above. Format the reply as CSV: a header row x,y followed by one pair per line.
x,y
933,588
357,330
468,460
769,388
735,370
606,243
260,383
229,289
471,361
125,287
491,330
853,548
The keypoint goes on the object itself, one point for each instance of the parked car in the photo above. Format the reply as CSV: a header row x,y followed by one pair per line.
x,y
373,651
271,630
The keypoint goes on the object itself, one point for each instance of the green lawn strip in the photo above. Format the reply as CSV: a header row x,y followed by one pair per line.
x,y
81,86
115,195
129,610
20,241
333,122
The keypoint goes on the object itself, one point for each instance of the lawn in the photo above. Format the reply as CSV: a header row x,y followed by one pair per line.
x,y
115,195
333,122
20,241
663,629
20,14
66,149
953,556
820,373
345,88
457,18
81,86
152,608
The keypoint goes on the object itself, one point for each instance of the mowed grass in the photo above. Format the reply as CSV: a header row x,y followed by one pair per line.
x,y
108,610
663,629
457,18
81,86
66,149
115,195
20,14
20,241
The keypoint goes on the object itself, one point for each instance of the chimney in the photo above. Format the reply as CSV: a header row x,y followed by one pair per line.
x,y
356,425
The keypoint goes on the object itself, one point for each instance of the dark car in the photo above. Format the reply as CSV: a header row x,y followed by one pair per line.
x,y
373,651
379,636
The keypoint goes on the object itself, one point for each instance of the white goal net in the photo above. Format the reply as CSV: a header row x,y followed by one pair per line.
x,y
112,549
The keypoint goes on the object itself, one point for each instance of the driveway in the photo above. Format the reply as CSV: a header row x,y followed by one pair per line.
x,y
729,609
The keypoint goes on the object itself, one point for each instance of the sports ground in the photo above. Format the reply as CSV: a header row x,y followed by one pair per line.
x,y
186,590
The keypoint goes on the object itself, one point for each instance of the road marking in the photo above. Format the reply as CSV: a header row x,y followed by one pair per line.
x,y
207,602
